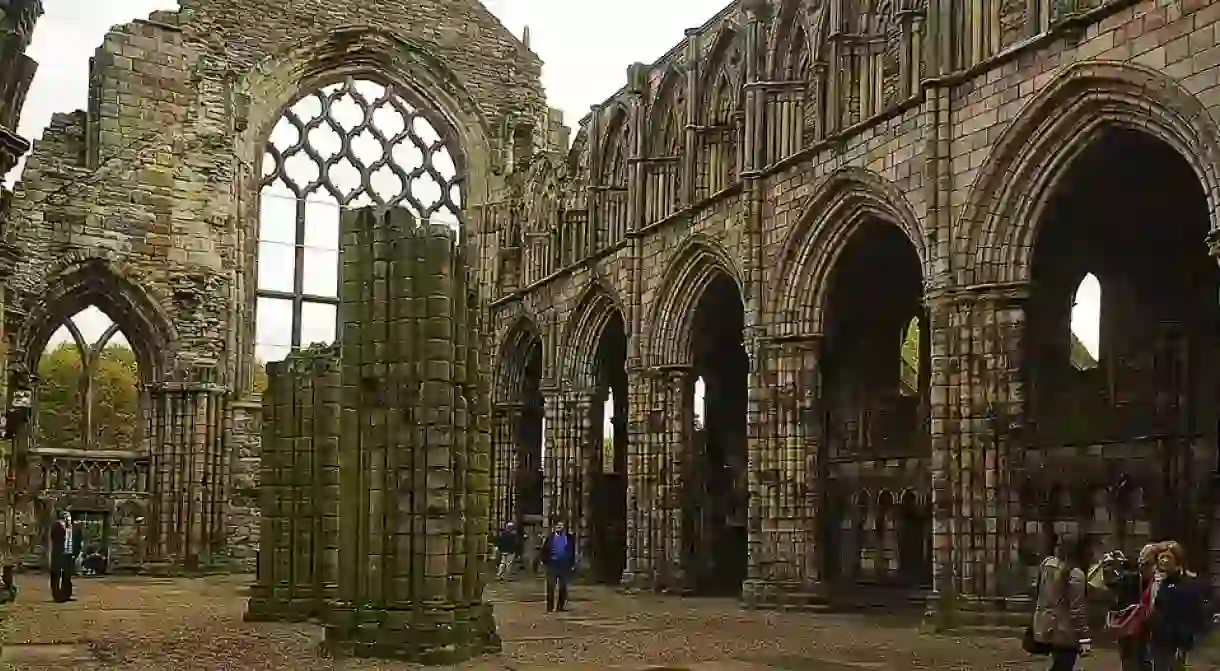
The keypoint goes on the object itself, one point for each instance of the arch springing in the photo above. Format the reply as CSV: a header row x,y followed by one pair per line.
x,y
354,143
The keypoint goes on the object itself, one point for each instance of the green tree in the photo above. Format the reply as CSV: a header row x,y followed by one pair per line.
x,y
259,384
115,413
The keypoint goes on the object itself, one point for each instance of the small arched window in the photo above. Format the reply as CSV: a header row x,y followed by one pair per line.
x,y
88,387
608,434
700,402
1085,335
909,360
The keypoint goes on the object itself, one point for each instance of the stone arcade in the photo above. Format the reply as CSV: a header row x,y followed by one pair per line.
x,y
858,226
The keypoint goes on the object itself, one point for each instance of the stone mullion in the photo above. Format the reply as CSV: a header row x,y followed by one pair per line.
x,y
977,402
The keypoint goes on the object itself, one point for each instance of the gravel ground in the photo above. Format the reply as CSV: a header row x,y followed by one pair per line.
x,y
195,624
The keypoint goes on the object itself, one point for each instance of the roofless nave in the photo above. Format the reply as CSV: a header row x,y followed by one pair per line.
x,y
861,224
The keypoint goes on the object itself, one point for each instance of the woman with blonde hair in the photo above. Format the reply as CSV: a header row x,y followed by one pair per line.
x,y
1177,609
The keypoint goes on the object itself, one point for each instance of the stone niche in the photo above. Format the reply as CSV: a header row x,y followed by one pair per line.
x,y
375,466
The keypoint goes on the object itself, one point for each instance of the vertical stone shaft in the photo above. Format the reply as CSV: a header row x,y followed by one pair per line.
x,y
415,448
977,517
188,454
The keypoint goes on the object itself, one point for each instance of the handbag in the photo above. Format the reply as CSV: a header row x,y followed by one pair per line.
x,y
1130,621
1032,645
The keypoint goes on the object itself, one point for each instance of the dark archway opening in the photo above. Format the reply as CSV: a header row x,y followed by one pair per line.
x,y
875,383
608,480
530,439
717,505
1120,343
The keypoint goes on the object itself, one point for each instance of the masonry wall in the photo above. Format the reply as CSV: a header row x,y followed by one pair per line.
x,y
145,204
948,119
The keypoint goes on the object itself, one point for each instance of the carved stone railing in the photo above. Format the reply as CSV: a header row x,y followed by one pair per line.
x,y
96,472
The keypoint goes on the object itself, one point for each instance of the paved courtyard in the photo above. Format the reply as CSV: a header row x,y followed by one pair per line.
x,y
176,624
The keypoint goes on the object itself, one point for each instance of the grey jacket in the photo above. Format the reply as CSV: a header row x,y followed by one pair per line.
x,y
1059,618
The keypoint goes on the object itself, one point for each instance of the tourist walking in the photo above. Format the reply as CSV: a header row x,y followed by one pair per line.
x,y
508,543
62,558
1060,627
1177,615
1127,582
559,555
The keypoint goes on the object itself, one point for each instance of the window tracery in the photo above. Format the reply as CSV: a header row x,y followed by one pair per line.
x,y
350,144
668,135
614,179
88,393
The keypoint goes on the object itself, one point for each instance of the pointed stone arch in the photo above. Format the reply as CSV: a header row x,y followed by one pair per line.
x,y
598,304
690,270
512,360
795,32
278,81
110,287
843,201
667,113
722,70
997,227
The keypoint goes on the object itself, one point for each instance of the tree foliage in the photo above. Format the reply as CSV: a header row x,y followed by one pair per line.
x,y
115,399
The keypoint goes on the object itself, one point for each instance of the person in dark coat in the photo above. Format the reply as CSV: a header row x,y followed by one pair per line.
x,y
558,553
508,542
63,558
1177,617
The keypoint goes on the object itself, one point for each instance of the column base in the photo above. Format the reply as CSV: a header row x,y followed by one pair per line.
x,y
437,634
266,605
952,612
757,594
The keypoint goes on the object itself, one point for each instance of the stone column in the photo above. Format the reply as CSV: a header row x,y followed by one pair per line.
x,y
563,473
188,470
661,423
415,448
298,560
786,488
504,463
977,410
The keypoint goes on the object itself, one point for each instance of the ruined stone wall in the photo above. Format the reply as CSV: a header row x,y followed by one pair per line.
x,y
944,127
145,205
376,457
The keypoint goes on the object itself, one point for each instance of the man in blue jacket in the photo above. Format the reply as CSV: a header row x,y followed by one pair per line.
x,y
559,556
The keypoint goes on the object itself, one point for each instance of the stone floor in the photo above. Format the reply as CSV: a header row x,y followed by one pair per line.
x,y
195,624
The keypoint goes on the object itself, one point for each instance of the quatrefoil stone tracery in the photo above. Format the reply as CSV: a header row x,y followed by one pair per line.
x,y
360,143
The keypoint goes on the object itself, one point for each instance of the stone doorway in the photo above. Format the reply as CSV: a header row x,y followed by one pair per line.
x,y
608,468
715,514
875,382
1120,345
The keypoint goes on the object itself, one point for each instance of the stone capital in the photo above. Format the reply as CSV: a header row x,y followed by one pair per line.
x,y
1001,293
1213,243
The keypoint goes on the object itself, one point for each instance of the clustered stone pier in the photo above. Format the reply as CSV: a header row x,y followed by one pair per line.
x,y
376,454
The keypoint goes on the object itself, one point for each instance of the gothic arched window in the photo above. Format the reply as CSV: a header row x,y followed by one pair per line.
x,y
88,390
352,144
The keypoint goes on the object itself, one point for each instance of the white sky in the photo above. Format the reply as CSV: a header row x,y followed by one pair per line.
x,y
582,67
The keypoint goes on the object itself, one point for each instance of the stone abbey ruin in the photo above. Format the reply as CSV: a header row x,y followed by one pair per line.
x,y
793,314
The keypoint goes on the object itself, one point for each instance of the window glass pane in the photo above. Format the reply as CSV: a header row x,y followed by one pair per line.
x,y
264,354
273,322
318,323
322,222
277,218
321,276
275,266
